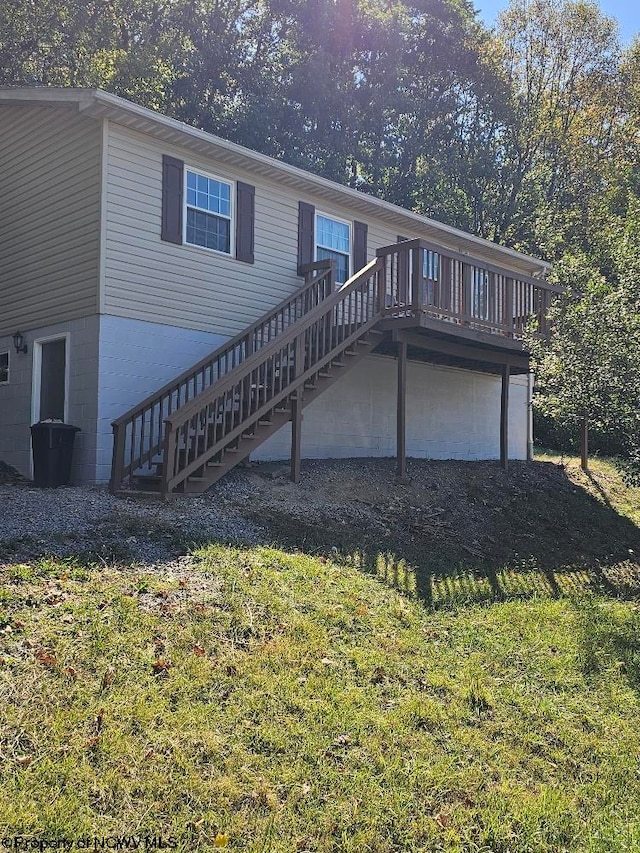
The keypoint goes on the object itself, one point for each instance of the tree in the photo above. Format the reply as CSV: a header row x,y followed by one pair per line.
x,y
563,63
590,369
131,48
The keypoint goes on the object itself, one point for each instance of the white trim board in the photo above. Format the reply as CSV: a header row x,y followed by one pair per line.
x,y
37,373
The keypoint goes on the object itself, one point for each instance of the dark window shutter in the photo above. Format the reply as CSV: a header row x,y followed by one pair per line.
x,y
306,231
245,221
172,189
360,231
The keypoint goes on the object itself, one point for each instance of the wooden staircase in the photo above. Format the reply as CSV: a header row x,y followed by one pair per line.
x,y
195,429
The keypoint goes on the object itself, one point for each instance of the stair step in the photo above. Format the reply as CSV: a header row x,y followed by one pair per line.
x,y
264,423
324,374
215,464
148,478
139,494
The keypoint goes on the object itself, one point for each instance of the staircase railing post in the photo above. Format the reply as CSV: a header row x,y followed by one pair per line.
x,y
168,467
117,462
382,285
296,435
417,281
298,363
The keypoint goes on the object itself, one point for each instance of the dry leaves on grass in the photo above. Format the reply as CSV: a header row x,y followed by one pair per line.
x,y
161,667
108,677
46,657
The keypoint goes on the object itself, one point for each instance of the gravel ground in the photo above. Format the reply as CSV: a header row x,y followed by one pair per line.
x,y
447,514
89,523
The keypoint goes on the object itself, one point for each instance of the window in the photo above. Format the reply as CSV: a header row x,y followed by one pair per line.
x,y
333,240
4,367
430,263
208,212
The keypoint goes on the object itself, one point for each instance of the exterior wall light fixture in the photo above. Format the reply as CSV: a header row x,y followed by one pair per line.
x,y
19,344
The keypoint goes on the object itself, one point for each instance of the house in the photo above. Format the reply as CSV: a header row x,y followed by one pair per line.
x,y
191,297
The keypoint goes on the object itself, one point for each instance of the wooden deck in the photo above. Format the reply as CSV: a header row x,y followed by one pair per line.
x,y
414,301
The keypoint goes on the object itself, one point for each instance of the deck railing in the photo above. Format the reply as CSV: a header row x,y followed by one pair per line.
x,y
139,434
428,280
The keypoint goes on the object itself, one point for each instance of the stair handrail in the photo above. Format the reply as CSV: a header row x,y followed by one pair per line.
x,y
230,350
184,413
197,405
324,266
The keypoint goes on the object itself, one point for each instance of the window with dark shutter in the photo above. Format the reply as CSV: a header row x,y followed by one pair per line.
x,y
245,222
306,243
360,231
172,195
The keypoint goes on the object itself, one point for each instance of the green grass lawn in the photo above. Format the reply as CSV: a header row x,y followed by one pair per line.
x,y
271,701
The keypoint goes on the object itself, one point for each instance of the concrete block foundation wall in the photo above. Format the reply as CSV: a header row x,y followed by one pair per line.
x,y
115,362
137,359
451,414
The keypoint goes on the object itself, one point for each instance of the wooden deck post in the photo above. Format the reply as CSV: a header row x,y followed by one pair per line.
x,y
584,444
530,416
296,435
504,416
401,428
403,277
508,307
467,292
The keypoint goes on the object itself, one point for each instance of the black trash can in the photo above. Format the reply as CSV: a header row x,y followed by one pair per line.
x,y
52,443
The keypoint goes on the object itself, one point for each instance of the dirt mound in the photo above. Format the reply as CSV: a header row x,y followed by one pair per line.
x,y
470,514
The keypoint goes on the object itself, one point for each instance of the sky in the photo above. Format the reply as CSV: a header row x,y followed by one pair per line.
x,y
627,13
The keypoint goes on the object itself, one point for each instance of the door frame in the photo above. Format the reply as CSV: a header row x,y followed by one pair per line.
x,y
37,373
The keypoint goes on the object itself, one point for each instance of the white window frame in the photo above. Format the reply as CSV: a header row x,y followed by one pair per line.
x,y
6,352
232,218
329,248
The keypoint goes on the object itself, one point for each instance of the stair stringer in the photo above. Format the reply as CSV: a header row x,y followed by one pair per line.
x,y
281,416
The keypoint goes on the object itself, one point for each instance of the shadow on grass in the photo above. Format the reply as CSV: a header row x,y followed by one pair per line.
x,y
608,640
529,532
459,533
